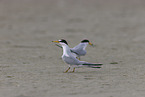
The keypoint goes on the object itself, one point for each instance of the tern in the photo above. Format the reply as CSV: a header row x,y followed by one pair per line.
x,y
71,60
80,49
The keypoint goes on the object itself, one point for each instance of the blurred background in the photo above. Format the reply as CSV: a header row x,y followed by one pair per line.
x,y
109,24
30,63
70,19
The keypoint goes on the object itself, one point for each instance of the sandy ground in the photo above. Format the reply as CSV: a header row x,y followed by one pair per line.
x,y
31,65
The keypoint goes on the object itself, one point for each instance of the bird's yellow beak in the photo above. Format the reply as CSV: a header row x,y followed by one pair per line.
x,y
56,41
90,44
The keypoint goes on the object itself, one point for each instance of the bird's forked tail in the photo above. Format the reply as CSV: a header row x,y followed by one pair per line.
x,y
93,65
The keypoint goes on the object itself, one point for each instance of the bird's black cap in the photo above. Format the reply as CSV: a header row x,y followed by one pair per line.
x,y
63,41
85,40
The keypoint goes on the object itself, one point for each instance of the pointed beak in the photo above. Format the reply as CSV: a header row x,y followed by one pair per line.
x,y
90,44
56,41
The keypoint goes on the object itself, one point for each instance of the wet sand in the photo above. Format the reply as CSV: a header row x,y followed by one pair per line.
x,y
31,65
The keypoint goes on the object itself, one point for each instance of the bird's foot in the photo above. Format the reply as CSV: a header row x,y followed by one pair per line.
x,y
67,70
78,58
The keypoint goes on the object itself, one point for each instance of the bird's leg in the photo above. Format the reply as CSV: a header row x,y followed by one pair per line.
x,y
78,58
73,69
67,70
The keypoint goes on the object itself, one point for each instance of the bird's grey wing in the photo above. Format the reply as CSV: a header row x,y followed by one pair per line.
x,y
78,51
74,51
76,47
70,60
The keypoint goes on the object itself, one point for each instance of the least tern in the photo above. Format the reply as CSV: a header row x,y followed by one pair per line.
x,y
80,49
72,61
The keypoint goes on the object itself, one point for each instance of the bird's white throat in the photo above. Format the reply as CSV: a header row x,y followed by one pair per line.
x,y
66,50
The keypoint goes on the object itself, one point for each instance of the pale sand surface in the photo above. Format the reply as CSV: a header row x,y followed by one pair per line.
x,y
31,65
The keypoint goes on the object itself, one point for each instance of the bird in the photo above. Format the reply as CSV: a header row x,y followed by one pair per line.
x,y
71,60
80,49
